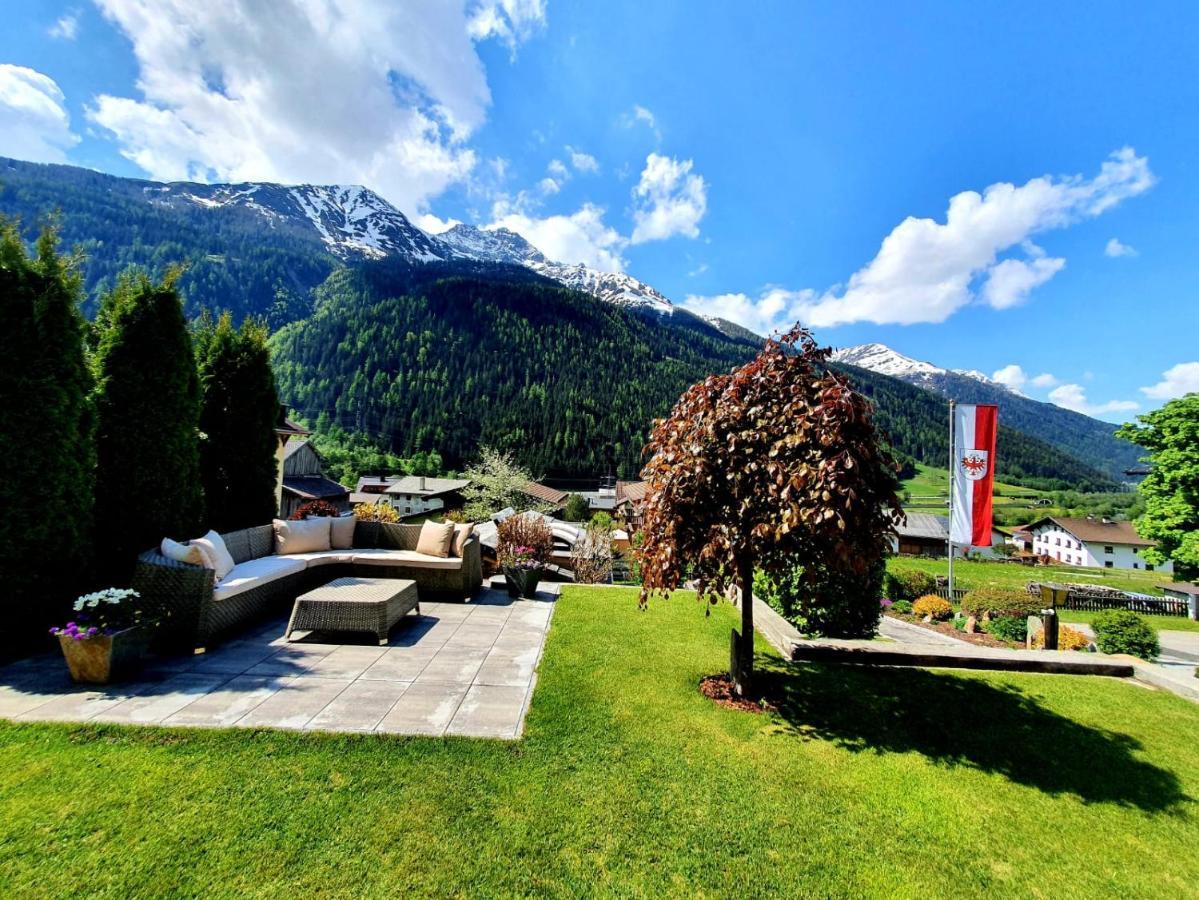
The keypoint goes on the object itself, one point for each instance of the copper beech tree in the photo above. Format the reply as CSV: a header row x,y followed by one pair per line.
x,y
774,466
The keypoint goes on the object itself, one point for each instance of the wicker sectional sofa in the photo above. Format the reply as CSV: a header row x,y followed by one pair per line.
x,y
199,613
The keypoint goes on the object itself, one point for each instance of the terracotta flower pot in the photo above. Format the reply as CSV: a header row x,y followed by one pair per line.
x,y
104,657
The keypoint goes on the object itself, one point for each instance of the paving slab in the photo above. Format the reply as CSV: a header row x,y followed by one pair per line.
x,y
400,664
347,662
229,703
424,708
161,699
360,707
297,701
490,710
455,665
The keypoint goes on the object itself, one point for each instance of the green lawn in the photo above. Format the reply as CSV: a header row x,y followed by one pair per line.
x,y
971,574
897,783
1159,623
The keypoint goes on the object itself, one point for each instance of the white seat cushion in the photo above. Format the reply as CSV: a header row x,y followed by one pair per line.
x,y
405,558
321,557
255,572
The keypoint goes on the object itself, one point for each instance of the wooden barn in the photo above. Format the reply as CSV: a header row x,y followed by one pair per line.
x,y
304,479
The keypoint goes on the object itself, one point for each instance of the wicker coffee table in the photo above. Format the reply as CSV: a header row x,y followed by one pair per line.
x,y
354,604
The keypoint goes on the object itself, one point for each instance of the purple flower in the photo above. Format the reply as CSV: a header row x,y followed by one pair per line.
x,y
92,630
884,602
77,636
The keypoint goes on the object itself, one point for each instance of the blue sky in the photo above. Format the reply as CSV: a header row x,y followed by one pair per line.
x,y
766,161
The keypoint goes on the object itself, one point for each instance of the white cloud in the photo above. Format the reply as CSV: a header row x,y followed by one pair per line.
x,y
512,21
1010,281
583,162
1177,381
1074,396
66,28
1044,380
925,271
669,199
1012,376
581,237
762,314
1116,249
373,92
558,169
640,115
548,186
34,123
433,225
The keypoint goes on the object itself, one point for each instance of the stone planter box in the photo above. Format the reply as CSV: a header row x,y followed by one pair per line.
x,y
105,657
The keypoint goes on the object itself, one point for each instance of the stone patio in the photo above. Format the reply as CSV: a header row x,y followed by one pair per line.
x,y
458,668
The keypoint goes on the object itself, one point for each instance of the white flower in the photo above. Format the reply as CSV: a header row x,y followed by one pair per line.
x,y
78,605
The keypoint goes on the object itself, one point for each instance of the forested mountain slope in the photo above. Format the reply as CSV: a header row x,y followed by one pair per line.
x,y
423,359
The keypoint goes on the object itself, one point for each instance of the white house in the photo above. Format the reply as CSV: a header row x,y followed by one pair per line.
x,y
1100,543
411,495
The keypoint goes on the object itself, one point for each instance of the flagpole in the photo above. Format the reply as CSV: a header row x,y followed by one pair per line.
x,y
952,472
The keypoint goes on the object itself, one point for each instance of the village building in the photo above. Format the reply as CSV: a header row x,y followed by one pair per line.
x,y
411,495
925,534
285,430
1100,543
304,479
630,502
547,496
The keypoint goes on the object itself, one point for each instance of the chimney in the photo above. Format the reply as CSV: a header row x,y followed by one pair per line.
x,y
422,482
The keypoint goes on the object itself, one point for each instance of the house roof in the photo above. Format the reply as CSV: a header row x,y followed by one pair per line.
x,y
923,525
313,487
375,484
1181,587
545,493
426,487
633,491
292,447
1096,531
357,497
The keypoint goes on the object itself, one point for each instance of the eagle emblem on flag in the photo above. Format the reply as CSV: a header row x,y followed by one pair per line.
x,y
974,464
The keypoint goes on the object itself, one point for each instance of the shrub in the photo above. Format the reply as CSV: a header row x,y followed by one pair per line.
x,y
1067,639
524,535
1121,631
903,607
959,623
1008,628
376,512
933,606
998,602
822,601
317,509
906,584
591,556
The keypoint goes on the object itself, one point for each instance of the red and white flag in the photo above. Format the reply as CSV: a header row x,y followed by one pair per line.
x,y
973,474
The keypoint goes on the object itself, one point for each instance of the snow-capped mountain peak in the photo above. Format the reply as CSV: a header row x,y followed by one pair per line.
x,y
882,359
502,245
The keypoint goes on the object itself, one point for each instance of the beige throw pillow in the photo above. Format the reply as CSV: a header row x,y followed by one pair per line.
x,y
341,532
305,536
213,546
461,534
184,553
435,539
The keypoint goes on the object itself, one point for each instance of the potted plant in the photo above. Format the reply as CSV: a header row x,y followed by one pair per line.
x,y
522,572
108,636
524,547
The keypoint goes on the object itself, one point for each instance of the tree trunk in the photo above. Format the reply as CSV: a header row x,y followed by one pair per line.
x,y
743,671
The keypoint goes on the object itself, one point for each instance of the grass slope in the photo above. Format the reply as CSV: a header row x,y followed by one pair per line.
x,y
866,783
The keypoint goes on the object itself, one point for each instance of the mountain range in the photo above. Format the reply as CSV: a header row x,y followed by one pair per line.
x,y
1081,436
311,258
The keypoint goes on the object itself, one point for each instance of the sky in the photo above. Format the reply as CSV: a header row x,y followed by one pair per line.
x,y
1005,189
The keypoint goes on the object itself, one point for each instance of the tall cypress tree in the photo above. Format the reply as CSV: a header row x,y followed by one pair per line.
x,y
45,434
147,404
238,412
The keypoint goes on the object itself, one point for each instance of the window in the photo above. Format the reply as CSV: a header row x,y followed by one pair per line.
x,y
1057,542
1107,564
1109,550
1148,567
1136,565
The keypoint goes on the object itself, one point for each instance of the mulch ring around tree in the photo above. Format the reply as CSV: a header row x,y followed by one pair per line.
x,y
719,689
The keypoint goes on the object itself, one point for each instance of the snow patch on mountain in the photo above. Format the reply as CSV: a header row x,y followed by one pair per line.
x,y
882,359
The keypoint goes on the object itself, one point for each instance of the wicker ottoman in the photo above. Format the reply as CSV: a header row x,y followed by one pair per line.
x,y
354,604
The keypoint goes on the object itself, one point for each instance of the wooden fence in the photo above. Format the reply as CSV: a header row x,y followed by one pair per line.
x,y
958,594
1149,606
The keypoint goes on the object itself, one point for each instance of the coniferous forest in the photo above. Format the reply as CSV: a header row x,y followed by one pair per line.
x,y
422,361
